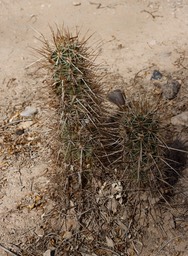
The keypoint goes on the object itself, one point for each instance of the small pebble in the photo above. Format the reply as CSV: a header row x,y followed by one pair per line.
x,y
76,3
25,125
49,252
20,132
181,119
29,111
156,75
39,231
171,89
120,46
152,42
117,97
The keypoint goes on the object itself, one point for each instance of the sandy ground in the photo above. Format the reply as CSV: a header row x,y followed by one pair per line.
x,y
136,34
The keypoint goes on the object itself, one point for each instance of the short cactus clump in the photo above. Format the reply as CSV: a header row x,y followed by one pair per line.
x,y
137,141
138,149
142,141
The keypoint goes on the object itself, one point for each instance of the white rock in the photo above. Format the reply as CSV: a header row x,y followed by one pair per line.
x,y
152,42
39,231
25,125
109,242
76,3
29,111
181,119
49,252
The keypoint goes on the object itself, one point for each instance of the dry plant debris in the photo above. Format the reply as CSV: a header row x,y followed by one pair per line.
x,y
17,137
115,169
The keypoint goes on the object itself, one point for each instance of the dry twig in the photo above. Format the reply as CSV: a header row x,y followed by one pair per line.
x,y
9,251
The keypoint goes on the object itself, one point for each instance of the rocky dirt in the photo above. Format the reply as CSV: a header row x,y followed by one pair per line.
x,y
138,36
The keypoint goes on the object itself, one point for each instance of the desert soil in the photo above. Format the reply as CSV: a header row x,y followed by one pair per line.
x,y
136,35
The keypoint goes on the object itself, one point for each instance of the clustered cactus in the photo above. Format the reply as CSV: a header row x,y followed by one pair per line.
x,y
92,137
114,155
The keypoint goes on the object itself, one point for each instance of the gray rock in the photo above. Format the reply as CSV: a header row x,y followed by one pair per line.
x,y
171,89
117,97
29,111
181,119
156,75
19,132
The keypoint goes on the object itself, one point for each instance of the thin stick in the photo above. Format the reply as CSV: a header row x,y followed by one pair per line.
x,y
139,162
81,164
109,250
17,122
33,63
9,251
162,247
175,149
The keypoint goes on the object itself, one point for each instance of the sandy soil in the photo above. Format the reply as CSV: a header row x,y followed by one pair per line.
x,y
136,34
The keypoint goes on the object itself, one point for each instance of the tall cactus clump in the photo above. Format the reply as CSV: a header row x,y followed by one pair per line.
x,y
76,80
